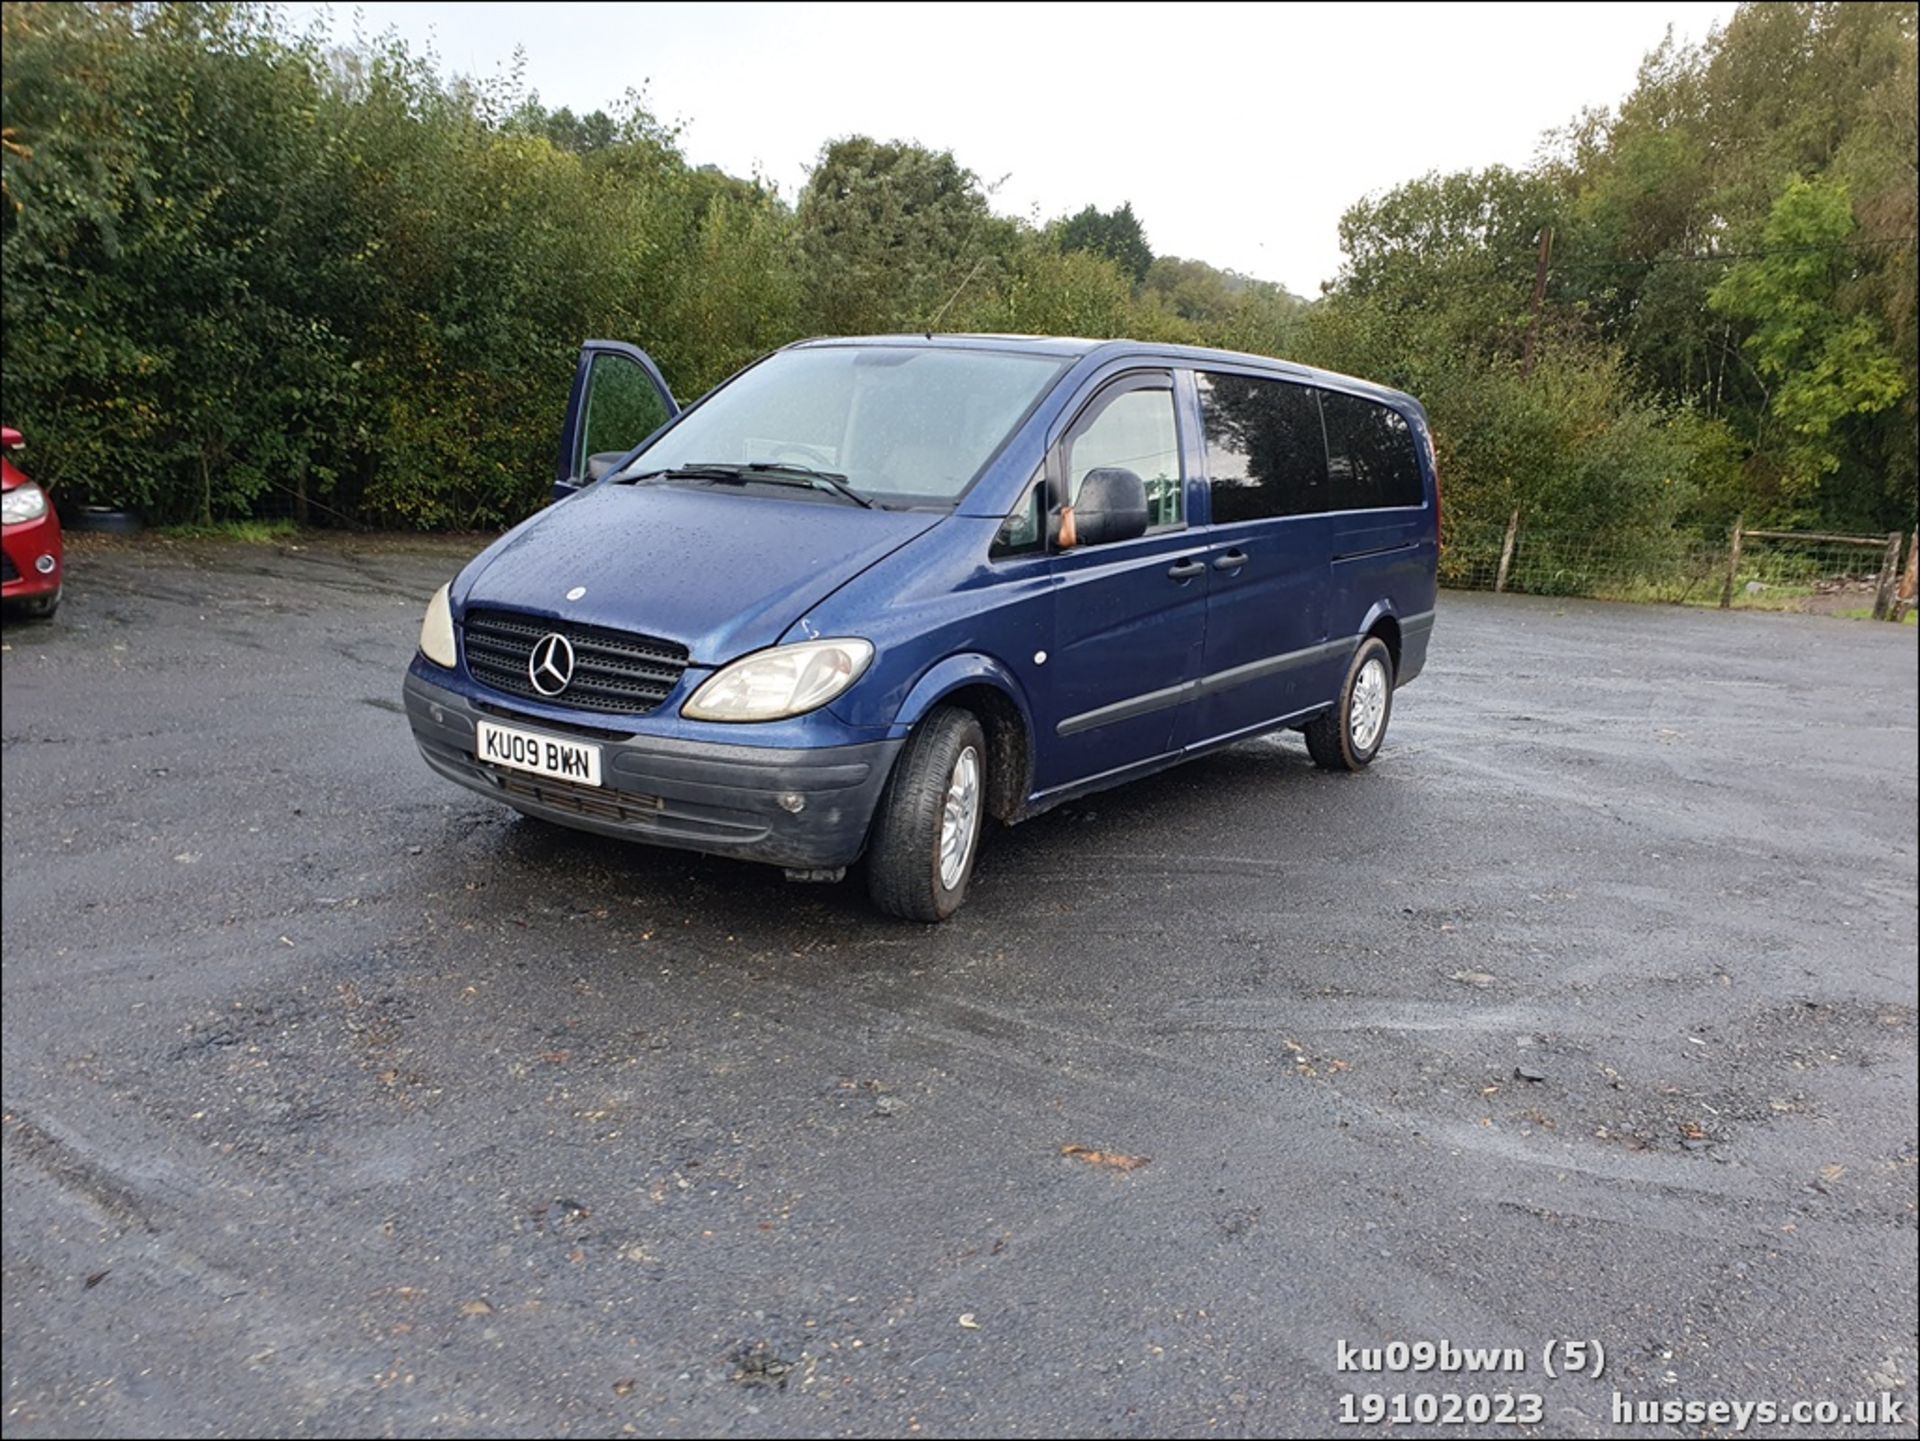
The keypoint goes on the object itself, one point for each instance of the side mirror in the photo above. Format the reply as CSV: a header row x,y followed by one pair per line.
x,y
1112,505
597,466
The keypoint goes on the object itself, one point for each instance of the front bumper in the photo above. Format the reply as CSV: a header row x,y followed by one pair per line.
x,y
24,546
693,795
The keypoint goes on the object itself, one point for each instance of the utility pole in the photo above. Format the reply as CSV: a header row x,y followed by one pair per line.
x,y
1526,371
1539,299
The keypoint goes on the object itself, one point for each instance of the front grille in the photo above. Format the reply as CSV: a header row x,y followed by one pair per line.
x,y
589,801
612,669
521,718
8,570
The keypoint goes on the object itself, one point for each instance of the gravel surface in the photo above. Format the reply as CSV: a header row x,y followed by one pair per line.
x,y
341,1101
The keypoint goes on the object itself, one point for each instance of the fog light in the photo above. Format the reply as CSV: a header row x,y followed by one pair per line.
x,y
792,801
45,564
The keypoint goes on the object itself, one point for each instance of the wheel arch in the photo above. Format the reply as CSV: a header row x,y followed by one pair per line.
x,y
1382,621
984,686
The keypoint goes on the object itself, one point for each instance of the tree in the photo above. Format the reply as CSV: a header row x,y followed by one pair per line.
x,y
1116,234
890,234
1455,254
1824,365
1691,166
1053,292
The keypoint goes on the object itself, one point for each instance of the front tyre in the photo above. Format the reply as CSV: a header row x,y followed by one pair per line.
x,y
42,607
1348,737
927,832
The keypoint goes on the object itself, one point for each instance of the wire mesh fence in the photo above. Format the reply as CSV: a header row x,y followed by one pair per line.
x,y
1855,576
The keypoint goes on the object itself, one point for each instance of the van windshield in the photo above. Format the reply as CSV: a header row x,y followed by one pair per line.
x,y
903,424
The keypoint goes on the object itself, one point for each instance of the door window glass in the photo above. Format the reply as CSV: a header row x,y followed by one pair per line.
x,y
1132,430
1266,455
622,408
1373,458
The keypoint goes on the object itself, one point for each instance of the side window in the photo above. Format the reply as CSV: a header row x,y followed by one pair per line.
x,y
1132,429
622,408
1266,455
1374,460
1024,531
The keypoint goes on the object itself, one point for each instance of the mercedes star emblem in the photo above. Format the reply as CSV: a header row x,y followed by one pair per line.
x,y
550,667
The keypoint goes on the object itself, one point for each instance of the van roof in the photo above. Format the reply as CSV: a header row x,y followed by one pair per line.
x,y
1076,347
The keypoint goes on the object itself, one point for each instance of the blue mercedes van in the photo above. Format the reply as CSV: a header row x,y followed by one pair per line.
x,y
870,592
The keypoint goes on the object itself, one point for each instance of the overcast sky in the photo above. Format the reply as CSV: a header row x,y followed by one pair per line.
x,y
1240,133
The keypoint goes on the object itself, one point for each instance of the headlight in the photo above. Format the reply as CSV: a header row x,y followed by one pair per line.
x,y
23,503
786,681
436,631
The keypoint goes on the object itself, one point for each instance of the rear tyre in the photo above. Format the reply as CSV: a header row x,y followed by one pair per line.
x,y
1348,737
927,832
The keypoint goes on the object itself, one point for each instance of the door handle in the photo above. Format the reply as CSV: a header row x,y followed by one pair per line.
x,y
1232,560
1186,569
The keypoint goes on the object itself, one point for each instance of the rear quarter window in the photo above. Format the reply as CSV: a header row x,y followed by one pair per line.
x,y
1373,458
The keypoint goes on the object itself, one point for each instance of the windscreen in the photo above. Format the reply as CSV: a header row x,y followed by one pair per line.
x,y
905,424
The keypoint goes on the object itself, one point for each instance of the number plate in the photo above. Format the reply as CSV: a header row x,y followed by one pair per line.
x,y
519,750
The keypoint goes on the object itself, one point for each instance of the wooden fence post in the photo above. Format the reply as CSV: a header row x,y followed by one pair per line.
x,y
1733,563
1910,581
1506,552
1883,589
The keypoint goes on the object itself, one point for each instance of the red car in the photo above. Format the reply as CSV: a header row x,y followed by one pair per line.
x,y
33,566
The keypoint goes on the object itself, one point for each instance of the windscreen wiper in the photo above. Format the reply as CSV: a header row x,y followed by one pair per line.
x,y
829,479
765,472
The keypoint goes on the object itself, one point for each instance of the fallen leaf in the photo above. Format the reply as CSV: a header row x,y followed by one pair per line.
x,y
1832,1173
1105,1158
969,1323
482,1307
94,1280
623,1388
